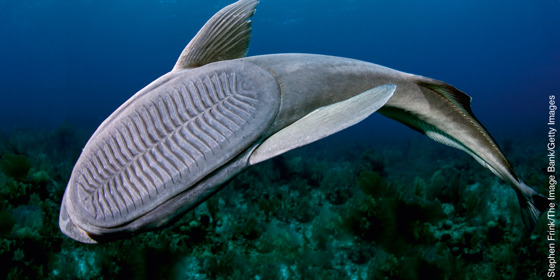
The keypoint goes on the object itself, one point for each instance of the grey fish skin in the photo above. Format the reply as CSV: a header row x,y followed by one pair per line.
x,y
165,140
175,142
429,106
414,102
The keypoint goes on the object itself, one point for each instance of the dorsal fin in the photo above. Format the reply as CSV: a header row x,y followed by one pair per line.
x,y
457,97
225,36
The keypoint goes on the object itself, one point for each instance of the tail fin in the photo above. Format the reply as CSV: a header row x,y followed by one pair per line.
x,y
532,206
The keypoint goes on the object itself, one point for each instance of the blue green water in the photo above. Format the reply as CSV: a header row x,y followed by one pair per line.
x,y
79,60
316,212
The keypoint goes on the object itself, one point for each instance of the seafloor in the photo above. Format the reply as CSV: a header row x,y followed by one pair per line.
x,y
339,209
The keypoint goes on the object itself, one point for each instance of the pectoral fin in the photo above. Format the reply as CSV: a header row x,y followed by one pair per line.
x,y
323,122
225,36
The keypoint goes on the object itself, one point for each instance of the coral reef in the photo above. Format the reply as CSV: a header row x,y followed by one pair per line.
x,y
302,215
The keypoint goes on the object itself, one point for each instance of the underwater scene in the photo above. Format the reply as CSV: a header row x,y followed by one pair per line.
x,y
377,200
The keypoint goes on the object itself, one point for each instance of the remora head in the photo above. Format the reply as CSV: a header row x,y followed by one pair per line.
x,y
174,143
162,148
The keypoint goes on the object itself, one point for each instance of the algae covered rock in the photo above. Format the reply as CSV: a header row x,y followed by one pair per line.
x,y
372,183
15,166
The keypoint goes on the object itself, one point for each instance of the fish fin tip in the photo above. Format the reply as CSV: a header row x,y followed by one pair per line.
x,y
532,207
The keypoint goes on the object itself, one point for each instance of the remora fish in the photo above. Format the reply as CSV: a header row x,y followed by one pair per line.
x,y
175,142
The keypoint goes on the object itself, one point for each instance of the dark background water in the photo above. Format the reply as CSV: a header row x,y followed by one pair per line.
x,y
77,61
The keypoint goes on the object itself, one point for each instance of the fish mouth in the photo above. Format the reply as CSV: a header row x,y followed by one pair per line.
x,y
157,217
167,212
163,214
69,227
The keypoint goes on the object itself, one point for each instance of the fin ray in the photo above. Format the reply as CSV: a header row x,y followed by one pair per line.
x,y
532,206
225,36
457,97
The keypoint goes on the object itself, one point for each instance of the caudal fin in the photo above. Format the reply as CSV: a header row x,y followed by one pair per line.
x,y
532,206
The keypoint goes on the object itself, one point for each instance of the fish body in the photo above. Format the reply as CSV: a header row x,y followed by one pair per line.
x,y
175,142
